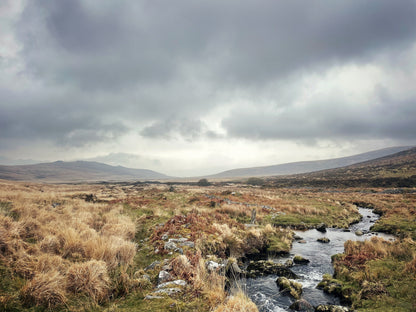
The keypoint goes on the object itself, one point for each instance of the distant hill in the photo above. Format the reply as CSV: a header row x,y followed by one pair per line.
x,y
307,166
77,171
396,170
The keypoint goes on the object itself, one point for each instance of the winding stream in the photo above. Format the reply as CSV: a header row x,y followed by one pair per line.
x,y
264,292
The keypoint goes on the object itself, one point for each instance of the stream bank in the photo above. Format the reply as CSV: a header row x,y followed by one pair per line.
x,y
264,292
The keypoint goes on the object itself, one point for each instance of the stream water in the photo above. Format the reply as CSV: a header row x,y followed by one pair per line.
x,y
264,292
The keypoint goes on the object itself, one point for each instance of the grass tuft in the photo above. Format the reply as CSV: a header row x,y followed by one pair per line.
x,y
45,289
89,278
237,302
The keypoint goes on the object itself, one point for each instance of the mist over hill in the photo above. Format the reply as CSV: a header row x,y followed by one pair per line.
x,y
91,171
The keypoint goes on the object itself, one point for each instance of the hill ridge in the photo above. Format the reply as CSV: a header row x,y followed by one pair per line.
x,y
307,166
76,171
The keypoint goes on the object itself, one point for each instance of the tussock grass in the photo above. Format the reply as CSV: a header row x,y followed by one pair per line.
x,y
237,302
45,289
90,278
62,245
50,244
114,251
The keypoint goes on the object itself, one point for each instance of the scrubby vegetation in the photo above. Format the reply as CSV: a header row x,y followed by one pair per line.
x,y
379,275
376,275
155,247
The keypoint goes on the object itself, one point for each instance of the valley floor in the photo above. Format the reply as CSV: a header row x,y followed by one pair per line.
x,y
156,247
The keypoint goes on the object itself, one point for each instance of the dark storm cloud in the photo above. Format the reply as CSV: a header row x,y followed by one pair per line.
x,y
388,118
38,117
103,66
112,44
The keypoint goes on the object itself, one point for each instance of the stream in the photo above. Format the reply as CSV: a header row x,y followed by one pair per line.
x,y
264,292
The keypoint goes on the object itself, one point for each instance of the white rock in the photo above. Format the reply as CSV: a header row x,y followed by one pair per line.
x,y
164,276
172,284
168,291
170,245
213,266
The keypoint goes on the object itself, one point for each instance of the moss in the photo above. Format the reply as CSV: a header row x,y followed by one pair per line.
x,y
137,302
291,287
10,285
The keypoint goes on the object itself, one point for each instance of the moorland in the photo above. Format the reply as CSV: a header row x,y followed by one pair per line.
x,y
139,246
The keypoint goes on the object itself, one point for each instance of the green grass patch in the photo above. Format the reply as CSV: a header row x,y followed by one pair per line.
x,y
137,302
309,221
396,224
277,245
10,285
383,284
6,208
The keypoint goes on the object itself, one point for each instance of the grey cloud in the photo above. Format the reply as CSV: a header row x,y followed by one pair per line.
x,y
277,38
168,129
77,30
104,68
111,44
56,119
388,118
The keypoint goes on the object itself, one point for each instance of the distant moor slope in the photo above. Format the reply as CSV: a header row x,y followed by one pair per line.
x,y
307,166
397,170
77,171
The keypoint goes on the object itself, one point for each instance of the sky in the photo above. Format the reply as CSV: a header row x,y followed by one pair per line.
x,y
190,87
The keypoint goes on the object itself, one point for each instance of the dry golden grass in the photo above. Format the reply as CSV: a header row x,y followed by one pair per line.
x,y
374,248
183,268
48,228
90,278
45,289
192,269
237,302
211,284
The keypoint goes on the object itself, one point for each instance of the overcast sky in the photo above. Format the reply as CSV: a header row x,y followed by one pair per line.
x,y
191,87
